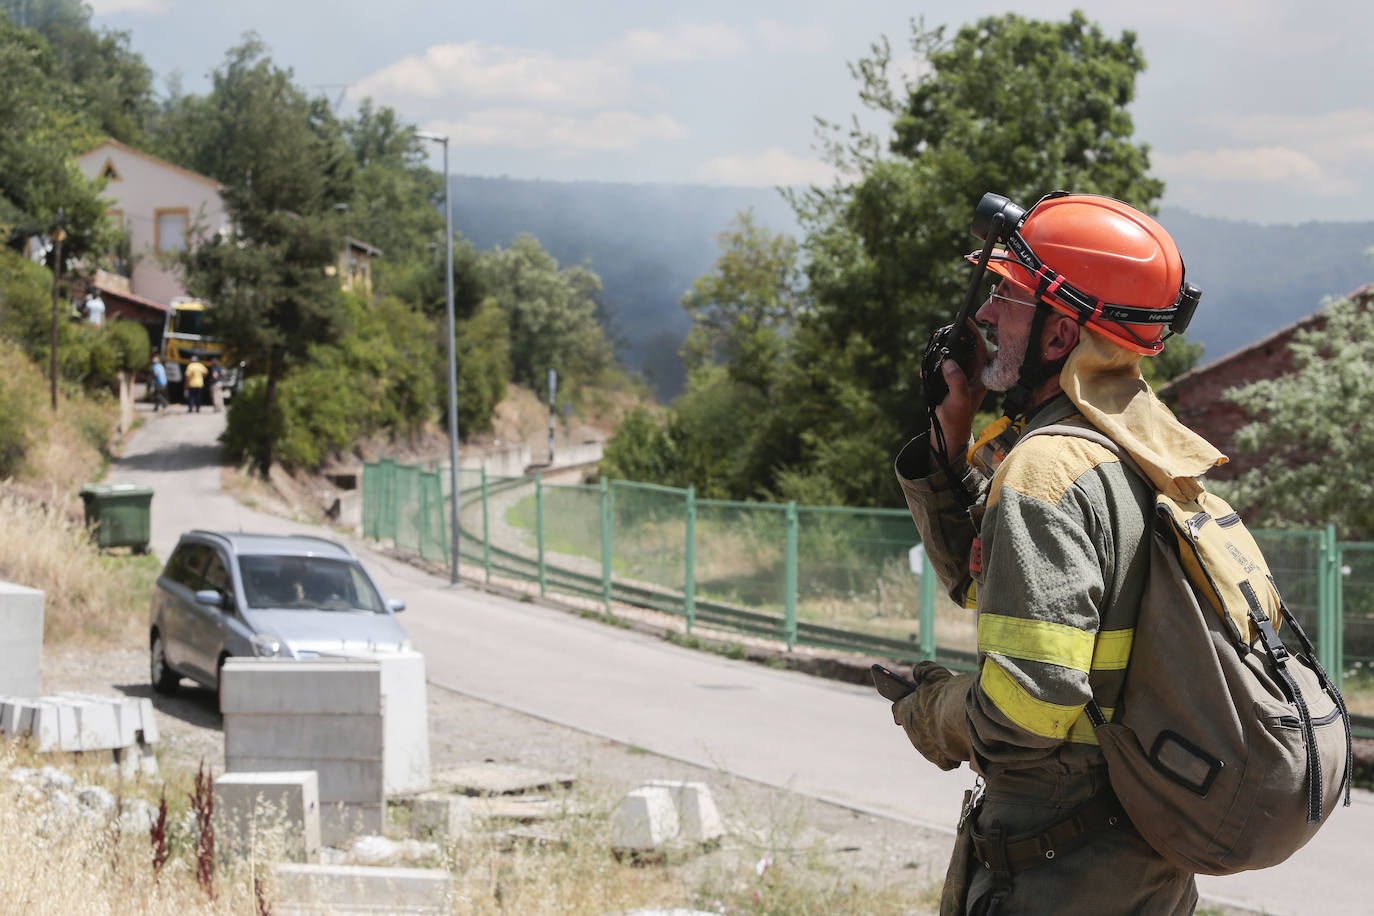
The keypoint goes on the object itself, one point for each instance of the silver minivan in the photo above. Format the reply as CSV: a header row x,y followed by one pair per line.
x,y
292,596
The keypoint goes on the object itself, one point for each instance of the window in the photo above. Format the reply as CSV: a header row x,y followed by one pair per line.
x,y
116,217
314,583
186,564
170,229
216,576
109,172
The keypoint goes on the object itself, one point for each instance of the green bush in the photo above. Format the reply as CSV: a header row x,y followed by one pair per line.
x,y
15,424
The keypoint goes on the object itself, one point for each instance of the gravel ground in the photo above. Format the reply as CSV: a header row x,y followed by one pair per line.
x,y
463,730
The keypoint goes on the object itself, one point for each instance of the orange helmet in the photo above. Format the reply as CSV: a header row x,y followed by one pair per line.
x,y
1100,261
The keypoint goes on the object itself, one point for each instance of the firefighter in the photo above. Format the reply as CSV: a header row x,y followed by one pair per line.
x,y
1052,554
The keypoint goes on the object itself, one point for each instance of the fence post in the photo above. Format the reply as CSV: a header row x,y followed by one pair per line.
x,y
790,578
927,628
605,544
486,528
539,527
1332,647
689,591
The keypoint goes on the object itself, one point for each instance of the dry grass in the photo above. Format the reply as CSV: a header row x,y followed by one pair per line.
x,y
772,863
90,598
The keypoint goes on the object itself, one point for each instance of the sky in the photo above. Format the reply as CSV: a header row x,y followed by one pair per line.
x,y
1260,110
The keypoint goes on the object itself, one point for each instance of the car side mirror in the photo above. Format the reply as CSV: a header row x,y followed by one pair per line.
x,y
213,597
395,605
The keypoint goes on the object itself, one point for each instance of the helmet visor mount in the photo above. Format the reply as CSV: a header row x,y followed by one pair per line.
x,y
1057,290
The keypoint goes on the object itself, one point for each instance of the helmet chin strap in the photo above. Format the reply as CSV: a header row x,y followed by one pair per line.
x,y
1035,370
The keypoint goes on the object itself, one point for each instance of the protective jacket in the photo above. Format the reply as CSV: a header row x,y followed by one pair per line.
x,y
1054,557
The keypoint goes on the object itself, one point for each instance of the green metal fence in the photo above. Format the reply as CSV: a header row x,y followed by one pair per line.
x,y
832,577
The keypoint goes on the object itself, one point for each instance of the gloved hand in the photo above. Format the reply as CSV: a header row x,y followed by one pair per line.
x,y
933,715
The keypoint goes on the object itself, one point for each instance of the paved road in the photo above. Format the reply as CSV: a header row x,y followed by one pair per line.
x,y
827,740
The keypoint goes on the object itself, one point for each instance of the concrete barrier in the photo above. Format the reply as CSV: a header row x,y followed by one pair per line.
x,y
250,807
646,820
361,889
21,640
320,715
698,818
78,722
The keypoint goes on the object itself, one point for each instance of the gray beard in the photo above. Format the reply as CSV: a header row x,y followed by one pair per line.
x,y
1004,367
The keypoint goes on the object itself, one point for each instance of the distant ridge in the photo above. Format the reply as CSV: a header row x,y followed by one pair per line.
x,y
649,242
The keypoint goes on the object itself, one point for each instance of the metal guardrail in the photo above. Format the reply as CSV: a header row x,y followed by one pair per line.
x,y
642,545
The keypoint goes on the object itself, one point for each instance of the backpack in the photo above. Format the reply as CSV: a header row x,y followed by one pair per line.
x,y
1226,749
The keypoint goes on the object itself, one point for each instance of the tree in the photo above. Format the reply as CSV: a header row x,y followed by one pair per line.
x,y
1312,427
550,313
44,129
287,173
1011,105
111,84
744,308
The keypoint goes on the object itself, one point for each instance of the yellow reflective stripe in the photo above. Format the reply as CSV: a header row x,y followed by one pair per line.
x,y
1082,732
1036,716
971,596
1036,641
1113,650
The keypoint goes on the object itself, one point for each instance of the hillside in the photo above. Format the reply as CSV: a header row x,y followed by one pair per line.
x,y
650,242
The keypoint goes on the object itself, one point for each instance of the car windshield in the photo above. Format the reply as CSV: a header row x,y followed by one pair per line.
x,y
315,583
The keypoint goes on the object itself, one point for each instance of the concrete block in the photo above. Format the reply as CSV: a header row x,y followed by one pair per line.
x,y
340,822
697,816
21,640
279,685
361,889
138,759
304,737
354,781
435,815
645,820
405,711
249,804
98,725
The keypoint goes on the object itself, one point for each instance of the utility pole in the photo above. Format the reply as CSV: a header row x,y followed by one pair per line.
x,y
58,234
452,362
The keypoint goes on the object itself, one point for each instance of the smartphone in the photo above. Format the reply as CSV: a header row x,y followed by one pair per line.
x,y
891,684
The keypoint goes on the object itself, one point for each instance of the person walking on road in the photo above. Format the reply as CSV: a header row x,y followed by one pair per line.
x,y
1048,540
216,391
195,384
159,384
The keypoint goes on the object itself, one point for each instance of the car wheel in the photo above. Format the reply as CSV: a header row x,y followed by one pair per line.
x,y
164,679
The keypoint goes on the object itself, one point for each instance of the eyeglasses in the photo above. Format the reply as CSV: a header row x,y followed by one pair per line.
x,y
996,295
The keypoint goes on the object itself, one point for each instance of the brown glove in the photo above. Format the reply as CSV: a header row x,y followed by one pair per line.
x,y
934,717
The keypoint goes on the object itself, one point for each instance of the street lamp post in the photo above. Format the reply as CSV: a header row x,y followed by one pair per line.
x,y
452,363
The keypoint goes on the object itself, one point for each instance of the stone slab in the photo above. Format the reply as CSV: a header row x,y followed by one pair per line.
x,y
314,686
499,779
527,808
248,805
361,889
21,640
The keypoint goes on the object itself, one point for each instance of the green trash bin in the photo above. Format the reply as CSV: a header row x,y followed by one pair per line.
x,y
120,514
